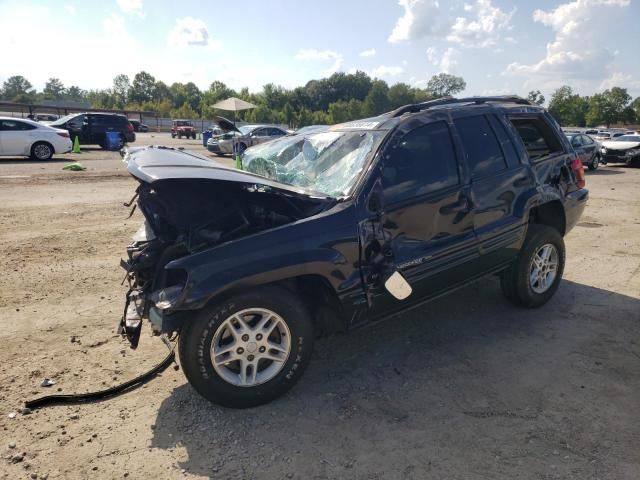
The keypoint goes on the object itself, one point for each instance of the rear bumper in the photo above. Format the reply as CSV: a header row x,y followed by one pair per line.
x,y
574,206
130,137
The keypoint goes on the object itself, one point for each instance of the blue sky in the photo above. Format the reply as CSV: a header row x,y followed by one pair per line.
x,y
497,46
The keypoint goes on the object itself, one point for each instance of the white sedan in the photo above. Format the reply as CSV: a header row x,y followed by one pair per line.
x,y
22,137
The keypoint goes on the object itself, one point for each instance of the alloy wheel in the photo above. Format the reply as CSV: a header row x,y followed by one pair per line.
x,y
544,268
250,347
42,151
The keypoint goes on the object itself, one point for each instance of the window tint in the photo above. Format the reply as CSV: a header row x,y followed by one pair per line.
x,y
276,132
586,140
15,126
78,121
421,162
537,136
483,152
506,143
105,120
576,141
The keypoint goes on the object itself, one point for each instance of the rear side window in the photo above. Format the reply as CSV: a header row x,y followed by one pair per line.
x,y
537,136
482,150
15,126
421,162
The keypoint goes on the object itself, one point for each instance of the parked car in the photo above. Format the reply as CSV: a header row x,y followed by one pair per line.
x,y
245,137
339,228
601,136
623,149
587,149
22,137
139,126
91,128
183,128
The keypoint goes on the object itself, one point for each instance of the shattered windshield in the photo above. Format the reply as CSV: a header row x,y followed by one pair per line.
x,y
328,162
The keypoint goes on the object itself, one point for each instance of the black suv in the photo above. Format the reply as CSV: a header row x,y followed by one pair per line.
x,y
334,229
91,128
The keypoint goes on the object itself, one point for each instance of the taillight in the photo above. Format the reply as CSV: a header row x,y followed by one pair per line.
x,y
578,170
64,134
129,127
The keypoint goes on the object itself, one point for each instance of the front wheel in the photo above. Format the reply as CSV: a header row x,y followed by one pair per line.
x,y
535,275
248,350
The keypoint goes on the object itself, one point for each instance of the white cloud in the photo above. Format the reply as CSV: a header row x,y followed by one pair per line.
x,y
484,29
619,79
189,31
449,59
576,53
421,18
432,55
386,71
131,6
71,9
368,53
323,55
114,26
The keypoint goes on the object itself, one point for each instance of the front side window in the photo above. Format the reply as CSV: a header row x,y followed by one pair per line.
x,y
482,150
421,162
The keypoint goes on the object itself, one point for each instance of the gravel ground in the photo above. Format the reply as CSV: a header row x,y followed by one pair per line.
x,y
466,387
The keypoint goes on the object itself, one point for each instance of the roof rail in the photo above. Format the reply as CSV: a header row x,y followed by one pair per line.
x,y
416,107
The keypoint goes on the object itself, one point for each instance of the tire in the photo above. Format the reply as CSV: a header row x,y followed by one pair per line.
x,y
595,163
173,135
41,151
517,281
193,137
211,328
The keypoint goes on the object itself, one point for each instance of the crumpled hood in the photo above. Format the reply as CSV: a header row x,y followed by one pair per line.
x,y
151,164
613,145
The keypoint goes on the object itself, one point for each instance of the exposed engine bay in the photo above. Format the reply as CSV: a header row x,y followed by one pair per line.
x,y
184,216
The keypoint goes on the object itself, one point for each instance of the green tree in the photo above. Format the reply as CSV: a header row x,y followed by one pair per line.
x,y
185,111
121,88
143,87
53,89
377,100
568,108
17,88
75,93
400,94
535,96
608,107
444,85
162,92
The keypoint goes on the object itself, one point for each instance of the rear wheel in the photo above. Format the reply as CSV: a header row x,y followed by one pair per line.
x,y
193,136
535,275
41,151
595,163
173,135
248,350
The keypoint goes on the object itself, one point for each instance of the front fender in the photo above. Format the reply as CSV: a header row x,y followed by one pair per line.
x,y
324,246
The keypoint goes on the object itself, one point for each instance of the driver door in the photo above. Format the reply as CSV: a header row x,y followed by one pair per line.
x,y
425,226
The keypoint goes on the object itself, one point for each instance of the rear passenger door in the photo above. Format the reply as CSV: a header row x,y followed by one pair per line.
x,y
498,181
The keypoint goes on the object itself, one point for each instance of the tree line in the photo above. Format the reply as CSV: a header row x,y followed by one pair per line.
x,y
338,98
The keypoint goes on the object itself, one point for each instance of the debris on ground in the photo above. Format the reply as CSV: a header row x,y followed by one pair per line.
x,y
47,382
74,167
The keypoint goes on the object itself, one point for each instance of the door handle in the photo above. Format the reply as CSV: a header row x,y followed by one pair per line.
x,y
462,205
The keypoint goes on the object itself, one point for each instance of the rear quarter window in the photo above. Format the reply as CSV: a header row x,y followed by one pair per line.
x,y
538,137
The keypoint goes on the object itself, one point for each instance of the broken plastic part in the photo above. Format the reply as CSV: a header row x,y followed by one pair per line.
x,y
397,286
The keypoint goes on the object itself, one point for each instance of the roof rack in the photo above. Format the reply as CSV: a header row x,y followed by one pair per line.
x,y
416,107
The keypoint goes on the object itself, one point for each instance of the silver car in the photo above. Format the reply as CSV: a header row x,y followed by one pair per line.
x,y
245,137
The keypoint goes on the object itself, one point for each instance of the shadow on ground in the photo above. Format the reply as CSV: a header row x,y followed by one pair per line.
x,y
465,387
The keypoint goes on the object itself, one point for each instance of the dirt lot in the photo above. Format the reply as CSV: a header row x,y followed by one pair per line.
x,y
468,387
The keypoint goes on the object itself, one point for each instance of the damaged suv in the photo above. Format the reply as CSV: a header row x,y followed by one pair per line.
x,y
334,229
